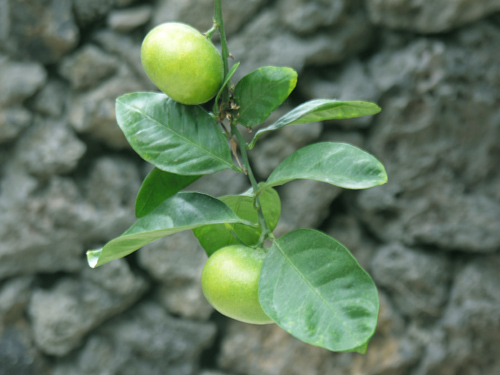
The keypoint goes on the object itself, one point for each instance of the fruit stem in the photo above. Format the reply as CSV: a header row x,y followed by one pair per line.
x,y
219,24
265,232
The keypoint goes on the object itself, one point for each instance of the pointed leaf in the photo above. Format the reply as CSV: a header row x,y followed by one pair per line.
x,y
183,211
229,75
320,110
215,237
339,164
157,187
259,93
176,138
313,288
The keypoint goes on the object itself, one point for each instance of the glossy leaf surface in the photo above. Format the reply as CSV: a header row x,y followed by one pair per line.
x,y
259,93
339,164
176,138
320,110
183,211
158,186
313,288
215,237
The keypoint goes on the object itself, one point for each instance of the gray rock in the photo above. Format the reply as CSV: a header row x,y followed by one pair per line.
x,y
469,324
58,218
49,148
199,13
51,99
124,3
264,42
113,183
347,230
439,108
88,11
185,300
304,204
39,30
128,49
177,261
125,20
93,112
227,182
268,350
145,340
43,235
14,296
20,80
304,17
63,315
12,122
422,279
174,259
87,67
18,354
426,16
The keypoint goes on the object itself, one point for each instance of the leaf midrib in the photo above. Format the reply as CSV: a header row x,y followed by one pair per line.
x,y
178,135
314,290
263,94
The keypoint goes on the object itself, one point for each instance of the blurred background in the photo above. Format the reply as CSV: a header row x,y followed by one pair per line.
x,y
430,238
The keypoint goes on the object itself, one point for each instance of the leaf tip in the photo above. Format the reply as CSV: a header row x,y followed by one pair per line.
x,y
93,257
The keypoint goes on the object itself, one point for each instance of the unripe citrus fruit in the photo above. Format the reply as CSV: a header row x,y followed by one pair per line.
x,y
182,63
230,282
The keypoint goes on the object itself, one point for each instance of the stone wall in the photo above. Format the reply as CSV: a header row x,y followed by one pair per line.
x,y
430,237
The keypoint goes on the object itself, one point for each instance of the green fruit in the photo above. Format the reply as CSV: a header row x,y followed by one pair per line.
x,y
230,282
182,63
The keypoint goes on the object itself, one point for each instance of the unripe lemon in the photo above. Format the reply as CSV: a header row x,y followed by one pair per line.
x,y
230,282
182,63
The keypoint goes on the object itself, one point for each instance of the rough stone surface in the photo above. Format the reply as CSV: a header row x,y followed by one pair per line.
x,y
176,261
12,122
58,218
145,340
258,42
51,99
42,30
20,80
124,20
88,11
93,112
304,17
87,67
68,182
428,16
268,350
14,296
425,138
423,279
49,148
194,12
62,315
18,354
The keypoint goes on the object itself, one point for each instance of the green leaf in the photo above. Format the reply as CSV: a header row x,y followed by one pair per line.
x,y
320,110
158,186
215,237
176,138
259,93
229,75
313,288
339,164
183,211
